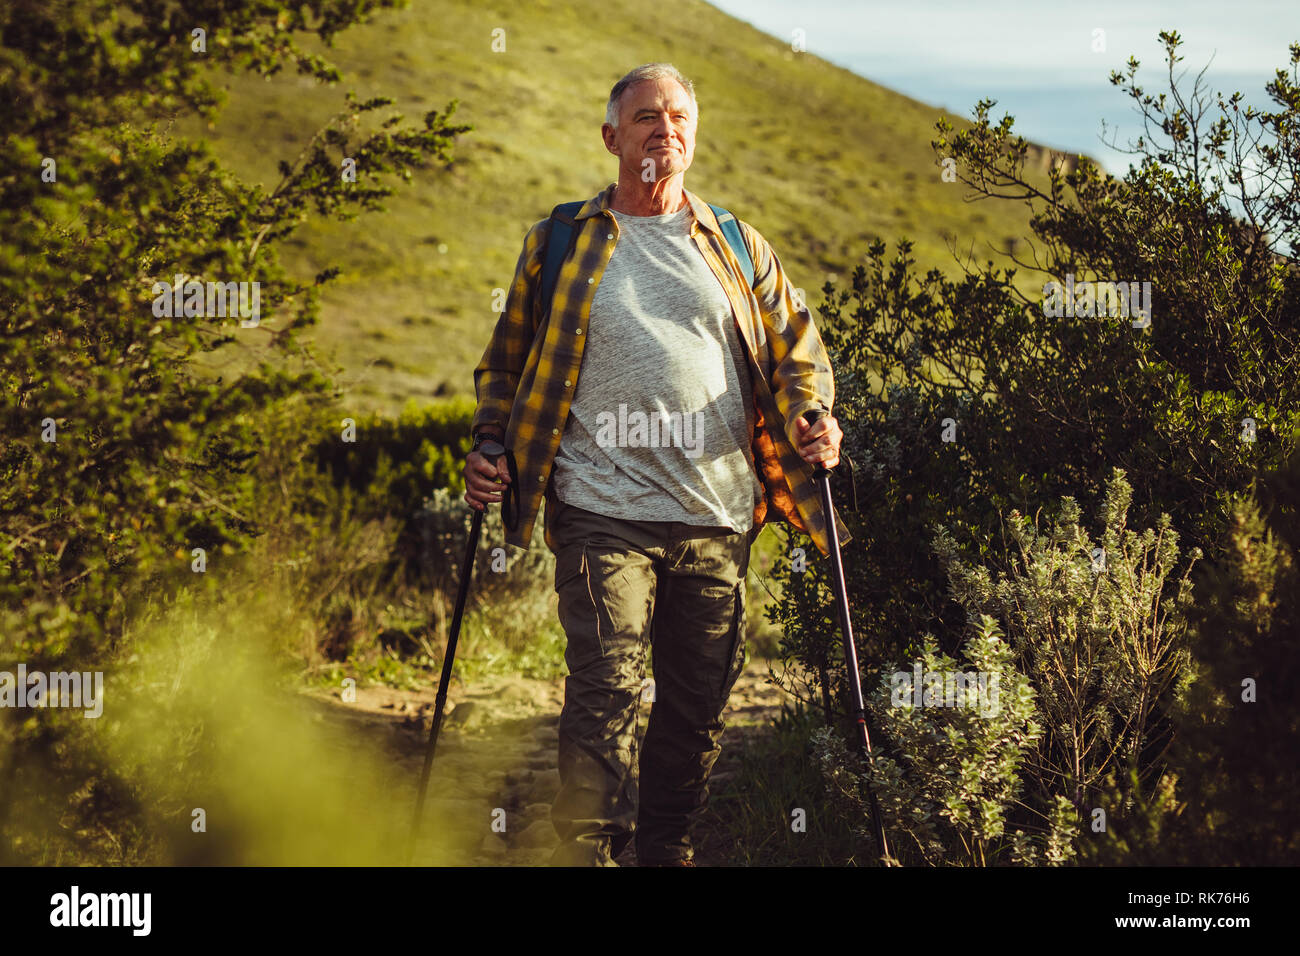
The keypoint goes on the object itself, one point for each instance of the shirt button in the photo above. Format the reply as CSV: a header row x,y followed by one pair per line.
x,y
568,384
577,331
590,280
541,478
555,431
610,236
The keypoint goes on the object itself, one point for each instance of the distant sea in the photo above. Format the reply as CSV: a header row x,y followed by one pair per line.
x,y
1065,117
1040,60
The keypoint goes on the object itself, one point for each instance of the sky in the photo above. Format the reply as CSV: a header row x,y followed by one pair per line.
x,y
1036,57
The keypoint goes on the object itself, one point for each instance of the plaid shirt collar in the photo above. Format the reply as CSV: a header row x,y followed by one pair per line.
x,y
600,203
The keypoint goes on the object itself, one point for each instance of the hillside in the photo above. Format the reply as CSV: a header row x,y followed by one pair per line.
x,y
817,158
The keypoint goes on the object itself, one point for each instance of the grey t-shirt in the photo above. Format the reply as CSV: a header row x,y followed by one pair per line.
x,y
662,416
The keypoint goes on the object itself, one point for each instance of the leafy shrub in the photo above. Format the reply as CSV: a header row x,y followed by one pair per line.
x,y
1096,633
1232,769
124,450
1093,651
393,462
958,775
964,400
1039,406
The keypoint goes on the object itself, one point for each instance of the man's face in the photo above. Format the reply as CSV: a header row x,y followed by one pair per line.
x,y
657,122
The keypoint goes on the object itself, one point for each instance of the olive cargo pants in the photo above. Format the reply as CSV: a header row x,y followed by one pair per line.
x,y
622,585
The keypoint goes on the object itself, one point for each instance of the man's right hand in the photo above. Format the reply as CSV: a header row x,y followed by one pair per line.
x,y
481,487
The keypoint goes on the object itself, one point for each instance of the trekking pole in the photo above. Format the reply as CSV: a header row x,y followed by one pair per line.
x,y
492,451
823,478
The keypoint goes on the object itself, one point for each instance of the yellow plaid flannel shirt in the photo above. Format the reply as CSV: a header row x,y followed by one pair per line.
x,y
526,378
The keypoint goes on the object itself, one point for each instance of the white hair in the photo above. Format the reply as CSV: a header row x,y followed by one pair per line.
x,y
649,71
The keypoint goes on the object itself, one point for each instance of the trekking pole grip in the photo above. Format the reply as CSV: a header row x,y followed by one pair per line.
x,y
492,450
812,416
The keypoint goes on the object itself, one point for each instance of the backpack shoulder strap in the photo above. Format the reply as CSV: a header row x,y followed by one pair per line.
x,y
558,242
731,229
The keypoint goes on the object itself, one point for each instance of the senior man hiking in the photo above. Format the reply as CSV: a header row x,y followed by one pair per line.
x,y
655,403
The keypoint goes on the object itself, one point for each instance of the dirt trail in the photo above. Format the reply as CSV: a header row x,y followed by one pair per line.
x,y
496,760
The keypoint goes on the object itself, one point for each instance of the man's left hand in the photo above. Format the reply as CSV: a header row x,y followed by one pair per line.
x,y
819,443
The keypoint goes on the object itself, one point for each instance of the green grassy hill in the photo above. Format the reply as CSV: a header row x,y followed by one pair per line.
x,y
817,158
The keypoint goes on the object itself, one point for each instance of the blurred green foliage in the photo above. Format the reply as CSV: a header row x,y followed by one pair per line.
x,y
128,457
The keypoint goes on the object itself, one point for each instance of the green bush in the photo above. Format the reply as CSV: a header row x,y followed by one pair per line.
x,y
1093,651
1226,798
948,797
964,400
1038,406
391,463
121,445
132,437
1099,632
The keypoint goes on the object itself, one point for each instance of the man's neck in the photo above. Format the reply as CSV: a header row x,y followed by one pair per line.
x,y
637,198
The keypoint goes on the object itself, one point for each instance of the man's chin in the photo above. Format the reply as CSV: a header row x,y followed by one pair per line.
x,y
672,167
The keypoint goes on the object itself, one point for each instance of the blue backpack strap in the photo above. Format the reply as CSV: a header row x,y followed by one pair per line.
x,y
731,229
558,242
